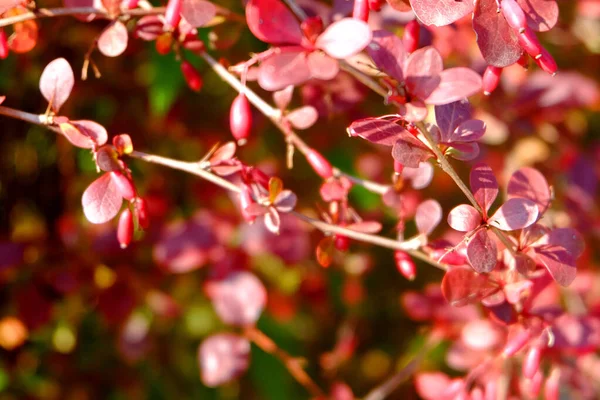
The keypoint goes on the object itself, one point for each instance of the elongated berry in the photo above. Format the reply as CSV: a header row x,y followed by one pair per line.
x,y
411,34
530,43
516,343
321,166
124,185
3,44
125,228
531,362
546,62
141,210
514,15
405,265
192,76
172,14
131,4
491,79
361,10
240,119
552,385
375,5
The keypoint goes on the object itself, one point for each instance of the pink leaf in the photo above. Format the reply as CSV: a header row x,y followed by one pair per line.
x,y
56,82
197,12
422,70
322,66
482,252
464,218
462,286
496,39
113,40
272,220
344,38
529,183
378,131
449,116
238,299
559,263
484,185
515,213
419,177
285,201
223,153
272,22
542,15
431,385
413,111
410,151
440,12
101,201
388,54
6,5
283,97
428,216
456,84
303,117
86,132
290,67
568,238
223,357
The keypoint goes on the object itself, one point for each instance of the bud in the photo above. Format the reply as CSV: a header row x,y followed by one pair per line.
x,y
342,243
172,14
124,185
410,37
530,43
491,79
141,210
192,77
546,63
312,27
321,166
361,10
516,343
125,228
245,202
514,15
3,44
375,5
123,143
405,265
531,362
240,119
163,43
552,385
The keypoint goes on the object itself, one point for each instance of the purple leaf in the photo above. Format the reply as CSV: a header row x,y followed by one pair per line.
x,y
197,12
272,22
579,334
101,201
529,183
428,215
484,185
515,213
449,116
559,263
440,12
568,238
464,218
303,117
223,357
290,67
56,82
455,84
468,131
285,201
464,151
344,38
388,54
322,66
542,15
462,286
113,40
422,70
238,299
410,151
497,41
482,252
378,131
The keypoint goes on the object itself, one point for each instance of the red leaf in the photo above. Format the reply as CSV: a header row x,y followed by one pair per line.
x,y
455,84
272,22
484,185
303,117
515,213
428,216
559,262
482,252
462,286
378,131
56,82
464,218
410,151
290,67
529,183
344,38
197,12
388,54
422,70
222,358
542,15
496,39
440,12
101,201
113,40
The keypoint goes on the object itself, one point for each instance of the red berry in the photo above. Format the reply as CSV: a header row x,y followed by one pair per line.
x,y
406,266
141,210
410,37
531,363
172,14
491,79
530,43
125,228
375,5
240,119
3,44
124,185
342,243
319,164
192,76
514,15
361,10
546,63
